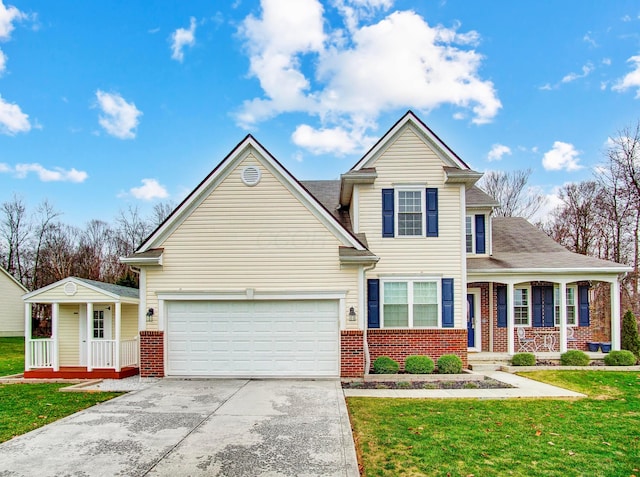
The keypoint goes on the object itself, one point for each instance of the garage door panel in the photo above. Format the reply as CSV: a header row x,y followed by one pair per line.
x,y
253,338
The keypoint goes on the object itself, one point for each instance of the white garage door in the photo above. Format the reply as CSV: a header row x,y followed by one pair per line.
x,y
253,338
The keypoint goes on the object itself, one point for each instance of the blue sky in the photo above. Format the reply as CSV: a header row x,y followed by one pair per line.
x,y
104,105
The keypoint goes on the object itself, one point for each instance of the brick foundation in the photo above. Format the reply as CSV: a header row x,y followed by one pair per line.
x,y
151,354
351,353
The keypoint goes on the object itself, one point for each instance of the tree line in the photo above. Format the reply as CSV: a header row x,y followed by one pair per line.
x,y
38,248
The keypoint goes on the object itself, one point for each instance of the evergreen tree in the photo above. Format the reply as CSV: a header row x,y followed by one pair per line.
x,y
630,339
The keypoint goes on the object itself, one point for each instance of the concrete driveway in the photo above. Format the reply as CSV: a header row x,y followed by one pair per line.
x,y
197,427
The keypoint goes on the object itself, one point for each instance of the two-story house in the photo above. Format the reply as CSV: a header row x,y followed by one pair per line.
x,y
258,274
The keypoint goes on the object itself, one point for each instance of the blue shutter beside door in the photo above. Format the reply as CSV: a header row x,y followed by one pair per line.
x,y
548,307
583,303
501,293
373,304
388,210
432,212
536,300
480,234
447,302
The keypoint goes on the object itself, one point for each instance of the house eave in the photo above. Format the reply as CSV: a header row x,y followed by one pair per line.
x,y
349,179
549,271
141,261
461,176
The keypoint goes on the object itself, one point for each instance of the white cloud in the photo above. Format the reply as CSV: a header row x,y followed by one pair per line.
x,y
348,78
7,16
606,61
626,18
57,174
12,119
149,190
497,152
562,156
632,79
587,39
586,70
333,140
3,62
120,118
546,87
182,38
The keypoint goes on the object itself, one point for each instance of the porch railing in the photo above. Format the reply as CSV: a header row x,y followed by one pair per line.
x,y
41,353
103,353
129,352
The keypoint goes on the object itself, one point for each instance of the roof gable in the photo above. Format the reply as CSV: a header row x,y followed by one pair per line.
x,y
100,289
249,146
10,277
410,120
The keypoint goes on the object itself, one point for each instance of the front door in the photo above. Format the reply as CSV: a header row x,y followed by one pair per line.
x,y
471,321
100,328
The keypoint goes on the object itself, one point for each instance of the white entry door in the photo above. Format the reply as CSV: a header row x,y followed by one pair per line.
x,y
101,327
253,338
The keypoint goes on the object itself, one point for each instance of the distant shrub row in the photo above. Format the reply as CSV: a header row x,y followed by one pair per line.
x,y
447,364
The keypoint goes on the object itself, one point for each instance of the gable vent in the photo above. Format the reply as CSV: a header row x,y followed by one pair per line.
x,y
70,288
251,175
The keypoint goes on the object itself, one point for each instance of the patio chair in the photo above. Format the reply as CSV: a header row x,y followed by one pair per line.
x,y
572,341
525,344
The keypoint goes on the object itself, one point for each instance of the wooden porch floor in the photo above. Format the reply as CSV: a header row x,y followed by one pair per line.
x,y
79,372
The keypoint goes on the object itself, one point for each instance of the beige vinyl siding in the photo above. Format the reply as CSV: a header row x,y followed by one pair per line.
x,y
11,307
410,161
128,323
258,237
83,293
69,335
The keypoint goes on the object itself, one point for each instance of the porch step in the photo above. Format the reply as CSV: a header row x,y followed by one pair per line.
x,y
486,366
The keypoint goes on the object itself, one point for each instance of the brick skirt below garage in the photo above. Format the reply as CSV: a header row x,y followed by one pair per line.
x,y
151,354
398,344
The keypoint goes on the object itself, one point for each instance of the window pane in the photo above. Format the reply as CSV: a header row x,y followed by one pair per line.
x,y
521,306
396,308
395,293
425,293
409,213
396,315
469,234
425,304
425,315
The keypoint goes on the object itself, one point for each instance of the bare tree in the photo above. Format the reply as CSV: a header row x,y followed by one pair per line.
x,y
45,214
510,190
58,256
14,230
161,211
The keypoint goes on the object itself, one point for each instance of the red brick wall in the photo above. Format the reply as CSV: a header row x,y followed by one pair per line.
x,y
352,353
151,354
398,344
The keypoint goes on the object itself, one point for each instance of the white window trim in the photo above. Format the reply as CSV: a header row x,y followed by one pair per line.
x,y
396,211
513,300
473,234
410,281
556,324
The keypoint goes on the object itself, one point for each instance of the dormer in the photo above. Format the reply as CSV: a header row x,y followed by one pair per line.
x,y
478,234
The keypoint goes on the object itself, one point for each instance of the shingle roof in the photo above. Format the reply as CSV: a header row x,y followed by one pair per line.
x,y
476,197
119,290
517,244
328,194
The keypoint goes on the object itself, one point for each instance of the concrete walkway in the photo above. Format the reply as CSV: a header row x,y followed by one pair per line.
x,y
524,388
197,427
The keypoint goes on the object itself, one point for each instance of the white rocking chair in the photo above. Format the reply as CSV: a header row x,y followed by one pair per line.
x,y
525,344
571,338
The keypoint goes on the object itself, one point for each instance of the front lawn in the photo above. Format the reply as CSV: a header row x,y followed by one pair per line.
x,y
11,356
24,407
597,436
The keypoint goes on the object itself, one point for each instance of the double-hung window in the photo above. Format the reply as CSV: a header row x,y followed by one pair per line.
x,y
521,306
410,213
98,324
571,305
469,234
410,304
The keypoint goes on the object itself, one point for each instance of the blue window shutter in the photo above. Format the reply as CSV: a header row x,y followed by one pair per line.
x,y
501,292
373,306
536,299
548,307
447,302
480,234
432,212
388,219
583,302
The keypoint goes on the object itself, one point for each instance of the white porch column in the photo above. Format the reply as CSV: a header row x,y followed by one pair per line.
x,y
563,317
89,336
510,320
55,319
615,314
27,336
118,309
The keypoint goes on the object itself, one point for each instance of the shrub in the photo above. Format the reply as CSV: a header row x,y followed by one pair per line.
x,y
403,385
449,364
385,365
620,358
470,385
574,357
629,334
419,365
523,359
428,385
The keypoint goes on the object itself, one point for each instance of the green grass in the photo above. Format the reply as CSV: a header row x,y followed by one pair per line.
x,y
11,356
597,436
24,407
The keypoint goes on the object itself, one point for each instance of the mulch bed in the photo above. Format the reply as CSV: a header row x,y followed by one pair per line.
x,y
487,383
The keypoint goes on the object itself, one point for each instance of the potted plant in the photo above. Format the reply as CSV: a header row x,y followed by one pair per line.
x,y
593,346
605,346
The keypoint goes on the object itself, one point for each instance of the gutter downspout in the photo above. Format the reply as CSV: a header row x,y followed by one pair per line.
x,y
365,343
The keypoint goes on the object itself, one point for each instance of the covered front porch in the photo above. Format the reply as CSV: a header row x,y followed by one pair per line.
x,y
92,330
